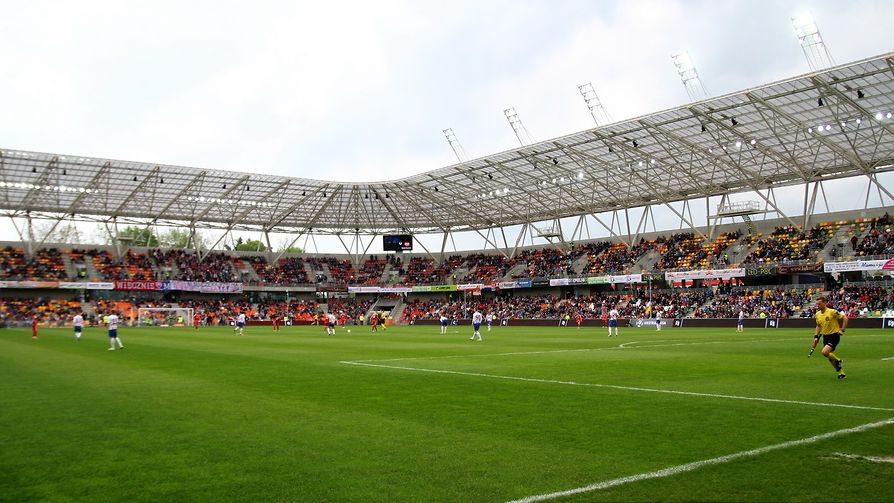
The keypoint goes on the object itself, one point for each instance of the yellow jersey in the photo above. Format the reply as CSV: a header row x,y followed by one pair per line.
x,y
829,321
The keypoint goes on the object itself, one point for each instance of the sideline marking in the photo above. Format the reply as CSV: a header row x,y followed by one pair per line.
x,y
688,467
890,358
615,386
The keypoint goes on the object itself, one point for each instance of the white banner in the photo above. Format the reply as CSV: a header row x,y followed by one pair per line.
x,y
626,278
88,285
705,274
859,265
559,282
469,286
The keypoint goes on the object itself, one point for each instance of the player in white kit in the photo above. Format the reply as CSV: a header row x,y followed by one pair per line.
x,y
477,318
113,332
445,324
490,321
78,323
740,326
613,322
330,323
240,323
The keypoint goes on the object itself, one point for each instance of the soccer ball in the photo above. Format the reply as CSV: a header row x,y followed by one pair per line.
x,y
349,330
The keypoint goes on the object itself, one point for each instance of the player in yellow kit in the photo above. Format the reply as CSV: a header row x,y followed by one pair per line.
x,y
830,324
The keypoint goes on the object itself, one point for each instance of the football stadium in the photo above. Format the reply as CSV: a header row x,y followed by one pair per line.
x,y
689,304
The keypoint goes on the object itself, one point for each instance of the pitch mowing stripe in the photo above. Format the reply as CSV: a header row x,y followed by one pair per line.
x,y
615,386
626,345
688,467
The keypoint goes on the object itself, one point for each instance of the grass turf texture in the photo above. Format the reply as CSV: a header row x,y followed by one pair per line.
x,y
207,415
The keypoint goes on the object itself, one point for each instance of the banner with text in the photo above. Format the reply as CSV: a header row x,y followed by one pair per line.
x,y
859,265
705,274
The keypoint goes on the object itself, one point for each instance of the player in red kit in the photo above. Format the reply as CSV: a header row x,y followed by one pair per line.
x,y
374,321
276,322
34,327
196,319
578,318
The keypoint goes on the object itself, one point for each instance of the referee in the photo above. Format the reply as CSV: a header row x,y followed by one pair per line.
x,y
830,324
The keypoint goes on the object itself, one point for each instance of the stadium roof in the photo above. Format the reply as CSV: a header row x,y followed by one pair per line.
x,y
831,124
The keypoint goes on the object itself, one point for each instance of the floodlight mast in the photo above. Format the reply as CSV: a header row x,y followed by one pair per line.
x,y
689,75
521,132
597,110
815,50
457,147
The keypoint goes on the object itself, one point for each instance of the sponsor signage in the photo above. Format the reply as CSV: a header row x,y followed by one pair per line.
x,y
625,278
796,268
859,265
444,288
764,270
468,286
705,274
88,285
29,284
142,286
204,286
525,283
541,282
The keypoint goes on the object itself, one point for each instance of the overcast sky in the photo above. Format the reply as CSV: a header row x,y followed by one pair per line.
x,y
361,91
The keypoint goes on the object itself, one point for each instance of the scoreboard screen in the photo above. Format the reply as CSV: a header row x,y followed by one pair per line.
x,y
397,242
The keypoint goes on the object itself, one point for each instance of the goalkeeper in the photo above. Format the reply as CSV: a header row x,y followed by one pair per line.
x,y
830,324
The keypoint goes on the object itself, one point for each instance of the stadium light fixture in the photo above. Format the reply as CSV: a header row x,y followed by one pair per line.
x,y
753,141
816,52
134,178
820,102
738,144
860,94
810,130
888,115
859,121
734,121
34,170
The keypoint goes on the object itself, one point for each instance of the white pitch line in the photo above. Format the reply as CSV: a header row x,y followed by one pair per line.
x,y
890,358
615,386
688,467
871,459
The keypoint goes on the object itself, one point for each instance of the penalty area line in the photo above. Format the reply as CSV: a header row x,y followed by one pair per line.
x,y
615,386
688,467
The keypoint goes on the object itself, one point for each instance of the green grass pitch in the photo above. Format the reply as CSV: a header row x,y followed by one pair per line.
x,y
210,416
